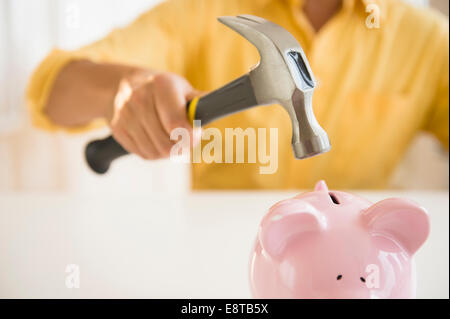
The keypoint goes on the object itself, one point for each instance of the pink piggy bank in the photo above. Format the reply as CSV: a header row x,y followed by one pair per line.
x,y
326,244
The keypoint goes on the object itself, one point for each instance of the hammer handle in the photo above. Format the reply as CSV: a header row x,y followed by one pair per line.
x,y
235,96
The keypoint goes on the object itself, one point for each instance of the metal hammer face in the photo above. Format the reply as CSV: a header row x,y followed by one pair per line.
x,y
283,76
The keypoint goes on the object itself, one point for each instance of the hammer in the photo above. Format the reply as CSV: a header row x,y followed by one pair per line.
x,y
283,76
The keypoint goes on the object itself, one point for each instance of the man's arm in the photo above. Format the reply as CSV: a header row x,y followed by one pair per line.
x,y
141,107
111,80
84,91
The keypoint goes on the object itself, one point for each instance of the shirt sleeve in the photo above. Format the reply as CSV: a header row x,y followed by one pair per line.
x,y
438,121
155,40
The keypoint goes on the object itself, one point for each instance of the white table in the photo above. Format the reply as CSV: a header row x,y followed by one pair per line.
x,y
196,246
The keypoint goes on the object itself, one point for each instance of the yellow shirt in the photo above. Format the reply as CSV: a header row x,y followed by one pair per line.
x,y
378,87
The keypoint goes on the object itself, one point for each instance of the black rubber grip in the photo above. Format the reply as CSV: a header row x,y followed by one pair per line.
x,y
100,154
236,96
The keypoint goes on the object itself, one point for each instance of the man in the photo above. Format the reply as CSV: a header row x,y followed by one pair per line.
x,y
382,68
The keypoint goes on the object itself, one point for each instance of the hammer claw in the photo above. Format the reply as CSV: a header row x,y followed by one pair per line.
x,y
283,75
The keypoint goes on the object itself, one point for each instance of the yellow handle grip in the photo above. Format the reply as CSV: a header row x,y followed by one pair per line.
x,y
191,109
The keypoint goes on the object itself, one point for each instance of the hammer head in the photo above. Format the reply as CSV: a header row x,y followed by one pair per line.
x,y
283,76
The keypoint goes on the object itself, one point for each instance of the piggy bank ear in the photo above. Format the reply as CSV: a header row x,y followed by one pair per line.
x,y
286,220
402,221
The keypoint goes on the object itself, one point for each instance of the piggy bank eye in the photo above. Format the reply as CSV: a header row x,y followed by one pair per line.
x,y
339,277
362,279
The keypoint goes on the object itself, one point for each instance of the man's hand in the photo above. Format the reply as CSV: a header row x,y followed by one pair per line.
x,y
142,107
146,109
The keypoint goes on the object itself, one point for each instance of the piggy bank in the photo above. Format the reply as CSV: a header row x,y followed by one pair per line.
x,y
331,244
